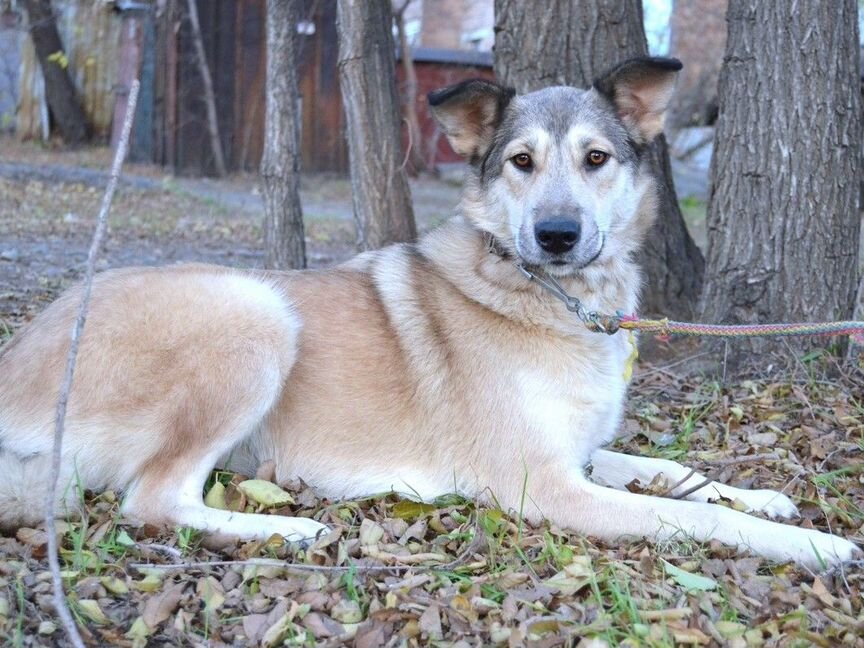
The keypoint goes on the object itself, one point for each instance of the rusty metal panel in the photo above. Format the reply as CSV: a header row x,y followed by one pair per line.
x,y
323,143
250,81
90,33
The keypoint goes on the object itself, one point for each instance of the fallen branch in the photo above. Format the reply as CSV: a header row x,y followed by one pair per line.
x,y
66,386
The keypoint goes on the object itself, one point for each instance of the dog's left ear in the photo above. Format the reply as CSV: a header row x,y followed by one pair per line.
x,y
469,113
641,89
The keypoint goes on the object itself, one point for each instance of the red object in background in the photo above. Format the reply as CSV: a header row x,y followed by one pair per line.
x,y
437,68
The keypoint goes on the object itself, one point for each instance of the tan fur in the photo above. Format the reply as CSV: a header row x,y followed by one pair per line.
x,y
423,369
410,368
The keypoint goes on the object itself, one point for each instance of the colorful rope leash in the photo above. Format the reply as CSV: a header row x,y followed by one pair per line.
x,y
602,323
854,330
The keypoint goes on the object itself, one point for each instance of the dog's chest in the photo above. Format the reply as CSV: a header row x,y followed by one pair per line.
x,y
573,403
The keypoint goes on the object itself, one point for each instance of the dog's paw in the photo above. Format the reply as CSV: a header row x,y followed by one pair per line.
x,y
816,550
773,504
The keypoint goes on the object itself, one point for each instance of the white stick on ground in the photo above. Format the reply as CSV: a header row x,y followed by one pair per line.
x,y
60,416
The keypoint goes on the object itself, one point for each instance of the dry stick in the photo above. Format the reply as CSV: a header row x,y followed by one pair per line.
x,y
209,94
473,547
770,456
66,386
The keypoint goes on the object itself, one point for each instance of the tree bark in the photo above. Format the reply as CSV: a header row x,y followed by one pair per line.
x,y
698,37
59,89
571,42
783,219
409,95
284,239
382,199
209,93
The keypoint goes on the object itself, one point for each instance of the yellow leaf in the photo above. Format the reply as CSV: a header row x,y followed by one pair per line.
x,y
215,497
90,608
138,632
408,510
59,57
264,492
114,585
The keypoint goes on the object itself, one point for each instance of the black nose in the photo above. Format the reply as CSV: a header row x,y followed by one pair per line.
x,y
557,235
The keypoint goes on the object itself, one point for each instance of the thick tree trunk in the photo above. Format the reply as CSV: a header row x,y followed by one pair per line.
x,y
783,220
209,93
284,240
382,199
571,42
59,89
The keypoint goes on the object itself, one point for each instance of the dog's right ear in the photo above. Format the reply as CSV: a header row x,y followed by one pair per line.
x,y
469,112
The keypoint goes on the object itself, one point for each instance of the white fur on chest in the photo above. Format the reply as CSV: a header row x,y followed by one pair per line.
x,y
574,405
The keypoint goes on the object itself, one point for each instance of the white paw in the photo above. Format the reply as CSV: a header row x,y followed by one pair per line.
x,y
771,503
813,549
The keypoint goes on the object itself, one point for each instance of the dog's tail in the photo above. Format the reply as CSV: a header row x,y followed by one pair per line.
x,y
23,489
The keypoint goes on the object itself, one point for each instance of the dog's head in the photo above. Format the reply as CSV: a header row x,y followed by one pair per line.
x,y
558,176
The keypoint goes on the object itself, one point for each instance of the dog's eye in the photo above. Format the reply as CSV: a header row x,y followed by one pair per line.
x,y
596,158
523,161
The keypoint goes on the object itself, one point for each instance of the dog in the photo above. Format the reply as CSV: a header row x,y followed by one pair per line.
x,y
425,368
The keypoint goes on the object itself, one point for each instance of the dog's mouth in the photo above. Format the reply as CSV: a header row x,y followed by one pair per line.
x,y
564,265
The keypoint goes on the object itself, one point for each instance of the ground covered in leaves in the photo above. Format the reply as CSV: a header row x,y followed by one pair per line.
x,y
398,573
395,572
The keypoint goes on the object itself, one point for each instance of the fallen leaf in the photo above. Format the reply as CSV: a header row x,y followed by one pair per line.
x,y
90,608
215,497
160,606
264,492
688,580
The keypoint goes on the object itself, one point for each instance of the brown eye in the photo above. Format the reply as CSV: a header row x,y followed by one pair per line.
x,y
523,161
597,158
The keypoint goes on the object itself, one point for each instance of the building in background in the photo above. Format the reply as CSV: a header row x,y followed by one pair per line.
x,y
109,42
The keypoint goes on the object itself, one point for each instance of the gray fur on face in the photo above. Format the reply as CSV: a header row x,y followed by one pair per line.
x,y
556,110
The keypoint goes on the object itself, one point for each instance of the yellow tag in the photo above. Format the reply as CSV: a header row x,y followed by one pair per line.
x,y
634,355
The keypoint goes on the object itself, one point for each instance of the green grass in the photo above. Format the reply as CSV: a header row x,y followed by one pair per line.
x,y
695,213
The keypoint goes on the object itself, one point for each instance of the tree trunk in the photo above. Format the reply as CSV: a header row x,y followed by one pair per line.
x,y
783,219
284,240
698,37
209,94
59,89
571,42
382,199
409,95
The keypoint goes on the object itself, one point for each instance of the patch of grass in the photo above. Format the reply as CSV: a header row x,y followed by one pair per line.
x,y
695,213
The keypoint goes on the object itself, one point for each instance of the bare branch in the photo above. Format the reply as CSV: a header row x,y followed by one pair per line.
x,y
60,416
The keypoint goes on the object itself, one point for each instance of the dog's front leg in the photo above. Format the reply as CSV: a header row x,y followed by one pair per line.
x,y
568,498
616,470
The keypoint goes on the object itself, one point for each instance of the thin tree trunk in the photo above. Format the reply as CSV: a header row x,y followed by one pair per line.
x,y
571,42
284,240
409,95
59,89
382,199
209,94
783,220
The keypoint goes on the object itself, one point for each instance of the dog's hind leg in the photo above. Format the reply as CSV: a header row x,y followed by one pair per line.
x,y
616,470
233,384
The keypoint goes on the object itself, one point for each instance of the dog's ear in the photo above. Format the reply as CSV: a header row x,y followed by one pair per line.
x,y
641,89
469,112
